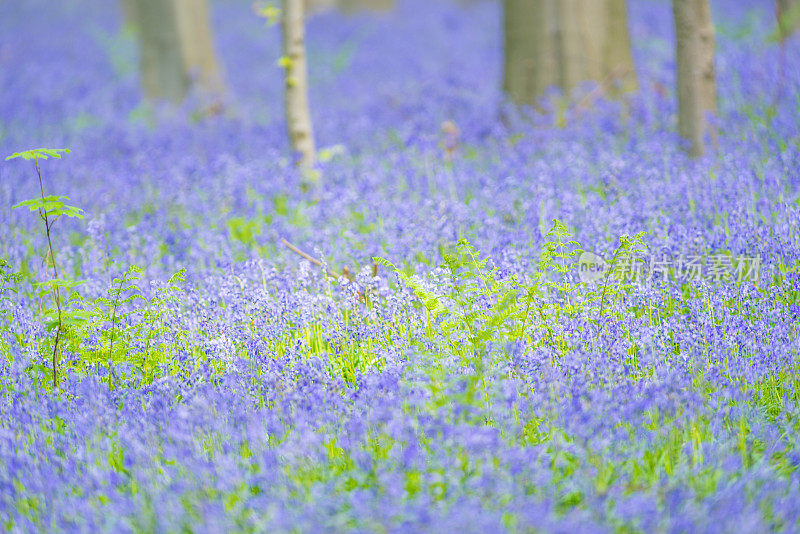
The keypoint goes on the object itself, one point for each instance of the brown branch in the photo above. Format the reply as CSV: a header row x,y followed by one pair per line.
x,y
345,271
302,254
601,88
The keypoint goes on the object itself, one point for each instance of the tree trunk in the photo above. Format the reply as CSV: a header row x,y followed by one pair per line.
x,y
298,116
162,62
199,58
128,8
352,6
319,6
521,61
563,43
708,74
618,57
694,51
788,12
177,51
574,44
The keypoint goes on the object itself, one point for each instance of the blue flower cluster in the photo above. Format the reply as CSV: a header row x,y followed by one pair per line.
x,y
258,392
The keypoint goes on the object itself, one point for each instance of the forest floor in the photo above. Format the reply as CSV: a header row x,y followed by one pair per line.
x,y
449,360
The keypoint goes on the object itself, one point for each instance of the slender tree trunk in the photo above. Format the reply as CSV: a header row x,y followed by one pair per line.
x,y
697,93
298,116
162,63
564,43
200,60
351,6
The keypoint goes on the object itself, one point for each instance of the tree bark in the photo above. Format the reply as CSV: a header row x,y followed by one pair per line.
x,y
521,61
319,6
563,43
199,58
298,116
574,44
352,6
788,12
128,8
618,57
177,51
708,74
162,61
696,81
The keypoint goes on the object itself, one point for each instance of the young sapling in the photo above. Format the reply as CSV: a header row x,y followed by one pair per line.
x,y
50,209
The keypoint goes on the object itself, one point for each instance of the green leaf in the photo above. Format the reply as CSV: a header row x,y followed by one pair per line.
x,y
269,12
69,211
52,205
75,317
284,62
47,202
58,283
178,277
39,153
384,262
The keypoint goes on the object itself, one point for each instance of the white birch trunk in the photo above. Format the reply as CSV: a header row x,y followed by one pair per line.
x,y
298,116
